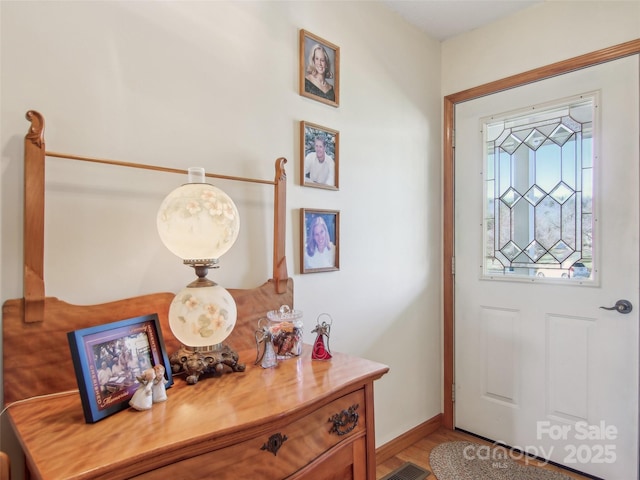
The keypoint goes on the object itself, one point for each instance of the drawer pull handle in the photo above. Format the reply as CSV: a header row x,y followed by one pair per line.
x,y
345,421
274,443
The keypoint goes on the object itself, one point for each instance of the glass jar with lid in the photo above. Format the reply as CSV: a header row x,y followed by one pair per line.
x,y
286,328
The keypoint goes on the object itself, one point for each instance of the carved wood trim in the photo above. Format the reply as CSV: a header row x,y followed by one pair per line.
x,y
280,274
559,68
33,235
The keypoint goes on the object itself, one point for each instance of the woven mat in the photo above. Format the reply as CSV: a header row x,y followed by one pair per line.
x,y
472,461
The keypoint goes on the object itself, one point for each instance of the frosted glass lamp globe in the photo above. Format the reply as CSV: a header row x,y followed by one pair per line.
x,y
197,221
202,316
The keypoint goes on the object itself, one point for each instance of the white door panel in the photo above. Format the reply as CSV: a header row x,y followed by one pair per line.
x,y
539,365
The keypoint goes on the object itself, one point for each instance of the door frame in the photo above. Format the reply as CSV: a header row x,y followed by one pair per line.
x,y
576,63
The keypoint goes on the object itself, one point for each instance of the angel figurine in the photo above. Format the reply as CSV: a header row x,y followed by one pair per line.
x,y
158,390
142,399
320,346
268,358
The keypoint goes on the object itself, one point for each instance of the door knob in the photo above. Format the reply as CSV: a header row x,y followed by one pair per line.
x,y
621,306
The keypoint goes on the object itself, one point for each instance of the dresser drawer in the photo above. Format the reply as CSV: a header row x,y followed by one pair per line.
x,y
280,452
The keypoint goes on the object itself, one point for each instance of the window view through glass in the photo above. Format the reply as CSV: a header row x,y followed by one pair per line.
x,y
538,183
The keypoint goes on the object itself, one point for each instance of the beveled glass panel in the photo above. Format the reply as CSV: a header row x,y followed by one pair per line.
x,y
538,205
489,200
534,195
494,131
548,166
535,139
503,226
547,260
561,134
572,124
561,193
503,172
521,216
489,171
521,169
510,144
547,129
569,162
560,251
587,191
522,134
535,251
587,146
582,113
547,222
569,224
489,235
510,250
510,197
587,235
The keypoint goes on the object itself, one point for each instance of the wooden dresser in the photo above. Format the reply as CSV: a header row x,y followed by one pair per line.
x,y
302,419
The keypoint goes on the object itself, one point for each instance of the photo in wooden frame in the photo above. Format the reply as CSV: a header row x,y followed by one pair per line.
x,y
319,69
319,240
319,156
108,359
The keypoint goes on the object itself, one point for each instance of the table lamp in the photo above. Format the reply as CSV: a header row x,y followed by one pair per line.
x,y
199,223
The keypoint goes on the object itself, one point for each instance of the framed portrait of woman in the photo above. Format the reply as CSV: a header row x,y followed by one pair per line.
x,y
319,69
319,156
319,240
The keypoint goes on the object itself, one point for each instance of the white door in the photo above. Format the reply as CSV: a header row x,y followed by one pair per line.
x,y
538,365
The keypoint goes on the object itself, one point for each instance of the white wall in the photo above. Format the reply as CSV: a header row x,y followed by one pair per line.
x,y
543,34
214,84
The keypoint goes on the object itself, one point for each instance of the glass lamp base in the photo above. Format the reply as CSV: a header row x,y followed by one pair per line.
x,y
198,361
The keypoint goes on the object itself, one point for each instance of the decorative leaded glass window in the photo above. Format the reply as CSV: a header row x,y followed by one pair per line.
x,y
538,183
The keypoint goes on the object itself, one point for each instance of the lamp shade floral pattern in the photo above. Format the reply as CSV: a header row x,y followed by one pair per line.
x,y
198,221
202,317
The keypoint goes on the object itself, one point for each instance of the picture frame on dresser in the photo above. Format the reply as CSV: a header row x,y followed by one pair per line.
x,y
319,156
108,358
319,240
319,69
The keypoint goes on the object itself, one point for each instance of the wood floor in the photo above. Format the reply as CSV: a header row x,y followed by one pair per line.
x,y
418,453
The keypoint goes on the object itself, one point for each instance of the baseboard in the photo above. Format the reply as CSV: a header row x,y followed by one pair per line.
x,y
395,446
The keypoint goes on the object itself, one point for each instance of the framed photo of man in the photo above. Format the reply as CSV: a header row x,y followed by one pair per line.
x,y
319,69
319,156
319,240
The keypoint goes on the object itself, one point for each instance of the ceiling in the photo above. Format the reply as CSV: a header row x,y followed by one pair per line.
x,y
442,19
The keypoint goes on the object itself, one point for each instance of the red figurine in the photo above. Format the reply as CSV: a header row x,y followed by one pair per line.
x,y
320,347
